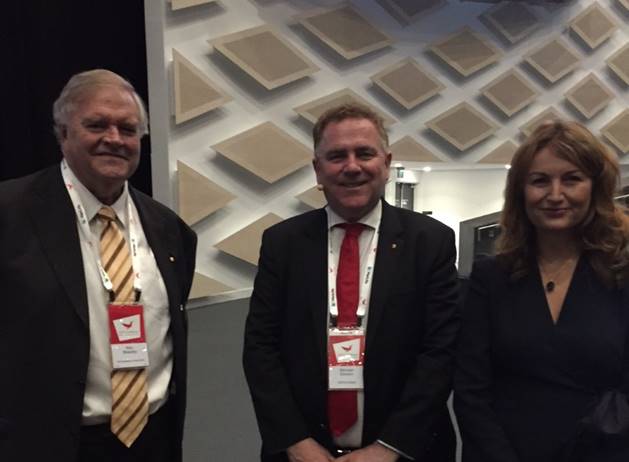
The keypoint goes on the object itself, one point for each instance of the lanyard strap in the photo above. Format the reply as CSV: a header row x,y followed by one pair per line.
x,y
365,284
86,232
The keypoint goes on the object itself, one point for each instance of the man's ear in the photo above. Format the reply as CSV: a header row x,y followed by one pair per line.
x,y
387,162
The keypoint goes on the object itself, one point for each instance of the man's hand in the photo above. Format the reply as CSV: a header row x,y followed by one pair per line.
x,y
373,453
308,450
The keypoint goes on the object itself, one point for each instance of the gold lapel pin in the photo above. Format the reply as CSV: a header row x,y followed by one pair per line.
x,y
171,258
394,246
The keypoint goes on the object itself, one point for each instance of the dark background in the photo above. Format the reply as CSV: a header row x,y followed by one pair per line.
x,y
42,44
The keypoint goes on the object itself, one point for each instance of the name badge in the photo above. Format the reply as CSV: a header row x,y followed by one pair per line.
x,y
346,355
127,336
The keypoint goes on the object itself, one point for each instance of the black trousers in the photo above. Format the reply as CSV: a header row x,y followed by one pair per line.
x,y
155,443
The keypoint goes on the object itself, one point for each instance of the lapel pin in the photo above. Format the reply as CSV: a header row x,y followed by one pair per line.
x,y
171,258
394,246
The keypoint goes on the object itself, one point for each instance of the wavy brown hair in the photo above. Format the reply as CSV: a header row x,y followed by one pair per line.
x,y
605,229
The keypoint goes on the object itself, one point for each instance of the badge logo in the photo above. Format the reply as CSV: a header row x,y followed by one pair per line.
x,y
347,351
128,328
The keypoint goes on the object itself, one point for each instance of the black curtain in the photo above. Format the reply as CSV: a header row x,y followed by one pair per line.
x,y
42,44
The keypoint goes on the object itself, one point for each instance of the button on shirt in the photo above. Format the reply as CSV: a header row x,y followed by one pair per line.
x,y
97,399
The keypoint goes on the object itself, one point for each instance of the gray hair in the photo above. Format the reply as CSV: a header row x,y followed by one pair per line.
x,y
82,83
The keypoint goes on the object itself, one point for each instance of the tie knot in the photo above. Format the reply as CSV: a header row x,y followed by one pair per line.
x,y
106,214
352,229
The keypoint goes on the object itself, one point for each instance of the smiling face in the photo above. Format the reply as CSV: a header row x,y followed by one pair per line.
x,y
352,166
557,194
101,140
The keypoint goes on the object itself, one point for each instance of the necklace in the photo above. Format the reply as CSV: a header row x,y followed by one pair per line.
x,y
551,280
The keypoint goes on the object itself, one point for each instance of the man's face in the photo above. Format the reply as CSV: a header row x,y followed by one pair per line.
x,y
352,166
101,140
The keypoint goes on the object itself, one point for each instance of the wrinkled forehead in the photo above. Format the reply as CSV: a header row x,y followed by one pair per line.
x,y
94,97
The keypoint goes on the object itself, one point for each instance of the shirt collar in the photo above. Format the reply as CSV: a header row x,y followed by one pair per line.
x,y
92,205
371,219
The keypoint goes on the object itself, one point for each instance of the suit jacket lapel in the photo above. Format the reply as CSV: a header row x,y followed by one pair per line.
x,y
390,247
54,222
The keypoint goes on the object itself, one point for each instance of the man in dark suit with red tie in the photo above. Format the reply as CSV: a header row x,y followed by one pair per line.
x,y
348,342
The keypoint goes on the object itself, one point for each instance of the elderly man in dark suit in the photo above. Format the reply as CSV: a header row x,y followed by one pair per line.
x,y
363,276
94,276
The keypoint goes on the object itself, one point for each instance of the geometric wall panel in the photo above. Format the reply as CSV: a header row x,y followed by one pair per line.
x,y
345,31
619,63
408,149
594,25
510,92
265,55
462,126
313,198
179,4
501,155
195,93
624,4
553,60
512,21
312,110
407,11
407,83
266,151
547,114
203,286
589,96
198,196
617,131
466,51
245,244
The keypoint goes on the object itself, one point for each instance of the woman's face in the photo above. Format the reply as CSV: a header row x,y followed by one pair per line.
x,y
557,194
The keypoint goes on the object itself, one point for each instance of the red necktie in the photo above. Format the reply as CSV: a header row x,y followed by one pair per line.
x,y
342,406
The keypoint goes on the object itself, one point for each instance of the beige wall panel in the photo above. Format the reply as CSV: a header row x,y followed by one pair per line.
x,y
501,155
345,31
466,51
510,92
245,244
198,197
617,131
194,92
407,11
590,96
624,4
180,4
619,63
267,151
594,25
547,114
313,198
512,21
265,55
203,286
312,110
462,126
553,60
407,83
408,149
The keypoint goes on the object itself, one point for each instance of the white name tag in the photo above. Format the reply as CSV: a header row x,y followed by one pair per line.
x,y
127,336
346,354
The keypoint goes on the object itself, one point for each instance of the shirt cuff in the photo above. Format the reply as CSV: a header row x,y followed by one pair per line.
x,y
397,451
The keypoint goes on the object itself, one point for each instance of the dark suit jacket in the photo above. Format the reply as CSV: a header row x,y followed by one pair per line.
x,y
523,383
44,327
410,334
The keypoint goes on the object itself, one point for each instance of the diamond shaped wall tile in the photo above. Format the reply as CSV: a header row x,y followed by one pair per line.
x,y
462,126
312,110
617,131
624,4
512,21
619,63
345,31
546,115
501,155
313,198
264,54
203,286
553,60
406,148
466,51
195,93
589,96
407,11
510,92
266,151
594,25
180,4
407,83
245,244
198,196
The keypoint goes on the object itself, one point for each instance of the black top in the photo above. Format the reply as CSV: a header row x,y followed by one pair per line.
x,y
523,382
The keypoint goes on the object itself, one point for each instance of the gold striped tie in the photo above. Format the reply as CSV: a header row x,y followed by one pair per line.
x,y
129,408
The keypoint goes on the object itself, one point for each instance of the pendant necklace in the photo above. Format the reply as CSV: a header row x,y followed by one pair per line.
x,y
551,283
